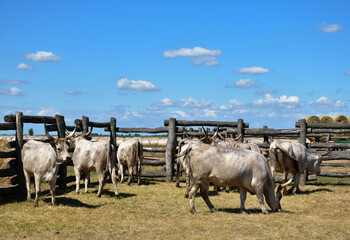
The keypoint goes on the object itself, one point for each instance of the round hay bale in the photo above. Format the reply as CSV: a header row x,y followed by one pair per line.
x,y
349,119
326,119
312,119
340,119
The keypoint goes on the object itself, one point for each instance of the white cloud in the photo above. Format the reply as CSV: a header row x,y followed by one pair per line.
x,y
244,83
12,92
163,103
42,56
253,70
72,92
233,104
325,102
140,85
193,103
13,82
209,113
207,61
290,102
199,55
191,52
264,91
24,66
180,113
329,28
47,111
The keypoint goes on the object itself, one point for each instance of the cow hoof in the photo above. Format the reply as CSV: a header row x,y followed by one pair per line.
x,y
36,204
265,212
212,210
186,196
193,211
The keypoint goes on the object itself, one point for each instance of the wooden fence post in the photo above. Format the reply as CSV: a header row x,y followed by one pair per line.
x,y
19,144
302,140
113,133
170,150
240,130
62,172
85,122
266,138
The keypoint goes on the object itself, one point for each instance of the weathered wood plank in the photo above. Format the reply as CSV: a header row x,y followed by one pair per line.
x,y
7,126
337,155
327,164
326,125
329,145
205,123
8,154
151,162
334,174
154,149
31,119
142,130
8,172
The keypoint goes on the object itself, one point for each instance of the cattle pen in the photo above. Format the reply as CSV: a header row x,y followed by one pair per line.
x,y
173,130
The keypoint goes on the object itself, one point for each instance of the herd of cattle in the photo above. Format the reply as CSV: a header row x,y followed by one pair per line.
x,y
224,162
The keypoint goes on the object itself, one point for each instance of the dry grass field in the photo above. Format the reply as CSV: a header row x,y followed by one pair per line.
x,y
158,210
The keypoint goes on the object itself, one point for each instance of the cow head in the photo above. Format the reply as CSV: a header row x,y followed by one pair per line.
x,y
274,200
60,145
78,136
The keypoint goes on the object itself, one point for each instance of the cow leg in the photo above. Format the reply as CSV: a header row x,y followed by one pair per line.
x,y
100,181
192,195
86,180
130,175
296,178
114,180
121,173
37,190
260,197
284,180
243,197
204,190
77,180
178,169
27,176
189,183
53,192
138,167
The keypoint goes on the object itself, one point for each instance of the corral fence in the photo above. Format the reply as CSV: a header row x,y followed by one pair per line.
x,y
174,129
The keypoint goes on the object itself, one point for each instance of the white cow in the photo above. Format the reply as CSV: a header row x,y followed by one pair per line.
x,y
42,160
227,167
94,156
130,154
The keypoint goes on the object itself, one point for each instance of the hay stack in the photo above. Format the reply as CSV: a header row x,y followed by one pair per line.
x,y
326,119
312,119
349,119
340,119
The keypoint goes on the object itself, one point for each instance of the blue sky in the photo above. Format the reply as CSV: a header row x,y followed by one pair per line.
x,y
268,62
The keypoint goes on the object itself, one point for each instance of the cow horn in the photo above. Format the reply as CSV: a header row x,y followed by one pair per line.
x,y
71,134
324,154
287,183
220,136
239,136
52,139
89,132
216,133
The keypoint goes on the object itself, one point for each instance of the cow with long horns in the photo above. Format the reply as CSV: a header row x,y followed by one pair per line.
x,y
42,161
94,155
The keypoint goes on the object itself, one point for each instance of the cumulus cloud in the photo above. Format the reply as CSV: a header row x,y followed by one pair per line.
x,y
24,66
194,103
233,104
199,55
253,70
44,111
12,92
180,113
325,102
244,83
42,56
264,91
13,82
329,28
139,85
161,104
290,102
73,93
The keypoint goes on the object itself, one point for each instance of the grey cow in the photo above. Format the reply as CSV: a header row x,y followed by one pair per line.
x,y
42,160
292,157
94,156
230,167
130,154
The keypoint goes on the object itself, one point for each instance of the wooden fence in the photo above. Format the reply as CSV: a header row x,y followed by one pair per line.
x,y
174,129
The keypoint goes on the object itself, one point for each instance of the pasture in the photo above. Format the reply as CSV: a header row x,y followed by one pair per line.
x,y
158,210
